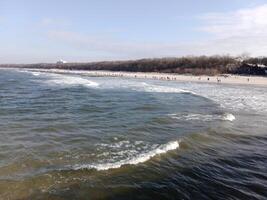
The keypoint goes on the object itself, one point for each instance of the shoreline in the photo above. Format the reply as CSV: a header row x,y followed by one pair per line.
x,y
219,79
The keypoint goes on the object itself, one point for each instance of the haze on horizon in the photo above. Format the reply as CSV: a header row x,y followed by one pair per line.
x,y
85,30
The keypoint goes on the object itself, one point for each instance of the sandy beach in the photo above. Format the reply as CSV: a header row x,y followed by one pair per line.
x,y
220,79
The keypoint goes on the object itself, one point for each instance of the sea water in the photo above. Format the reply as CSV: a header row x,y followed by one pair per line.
x,y
72,136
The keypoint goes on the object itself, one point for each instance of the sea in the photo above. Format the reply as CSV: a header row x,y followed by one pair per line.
x,y
74,136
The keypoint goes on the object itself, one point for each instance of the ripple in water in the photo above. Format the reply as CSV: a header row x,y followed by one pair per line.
x,y
70,136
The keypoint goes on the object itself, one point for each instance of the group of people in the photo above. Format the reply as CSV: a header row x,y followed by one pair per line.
x,y
157,77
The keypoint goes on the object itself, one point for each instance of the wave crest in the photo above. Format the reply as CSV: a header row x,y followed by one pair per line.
x,y
143,157
64,80
203,117
164,89
229,117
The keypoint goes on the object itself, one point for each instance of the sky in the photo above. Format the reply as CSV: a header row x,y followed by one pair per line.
x,y
34,31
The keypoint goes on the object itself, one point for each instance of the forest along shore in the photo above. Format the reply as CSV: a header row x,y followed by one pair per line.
x,y
201,65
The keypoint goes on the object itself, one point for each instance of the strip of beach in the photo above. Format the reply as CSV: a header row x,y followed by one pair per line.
x,y
219,79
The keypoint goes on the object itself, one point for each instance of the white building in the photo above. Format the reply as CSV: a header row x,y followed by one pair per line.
x,y
61,61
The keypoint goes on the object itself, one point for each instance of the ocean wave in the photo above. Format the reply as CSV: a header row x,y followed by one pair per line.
x,y
229,117
202,117
64,80
123,143
164,89
143,157
61,79
138,86
70,80
36,73
234,98
229,98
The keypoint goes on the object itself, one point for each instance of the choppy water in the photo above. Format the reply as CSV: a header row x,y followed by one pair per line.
x,y
67,136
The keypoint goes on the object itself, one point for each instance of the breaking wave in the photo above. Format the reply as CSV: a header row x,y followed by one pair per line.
x,y
164,89
36,73
229,117
203,117
64,80
61,79
143,157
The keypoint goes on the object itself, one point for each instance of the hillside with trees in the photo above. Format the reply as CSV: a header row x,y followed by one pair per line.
x,y
202,65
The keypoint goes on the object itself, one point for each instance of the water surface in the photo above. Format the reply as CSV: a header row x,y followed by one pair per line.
x,y
69,136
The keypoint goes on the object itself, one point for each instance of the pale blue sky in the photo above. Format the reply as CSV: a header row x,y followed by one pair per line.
x,y
91,30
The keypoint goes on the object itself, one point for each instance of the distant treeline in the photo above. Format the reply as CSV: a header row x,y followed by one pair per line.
x,y
201,65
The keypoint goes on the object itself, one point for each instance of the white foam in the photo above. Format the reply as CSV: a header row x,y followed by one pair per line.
x,y
202,117
66,80
116,145
189,117
136,85
229,97
236,98
61,79
161,89
229,117
36,73
143,157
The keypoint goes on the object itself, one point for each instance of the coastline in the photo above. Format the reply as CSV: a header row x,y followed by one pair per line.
x,y
220,79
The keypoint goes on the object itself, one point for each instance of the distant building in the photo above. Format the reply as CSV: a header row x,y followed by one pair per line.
x,y
262,66
257,65
61,61
239,59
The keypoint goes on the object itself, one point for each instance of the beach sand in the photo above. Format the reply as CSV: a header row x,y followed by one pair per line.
x,y
220,79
